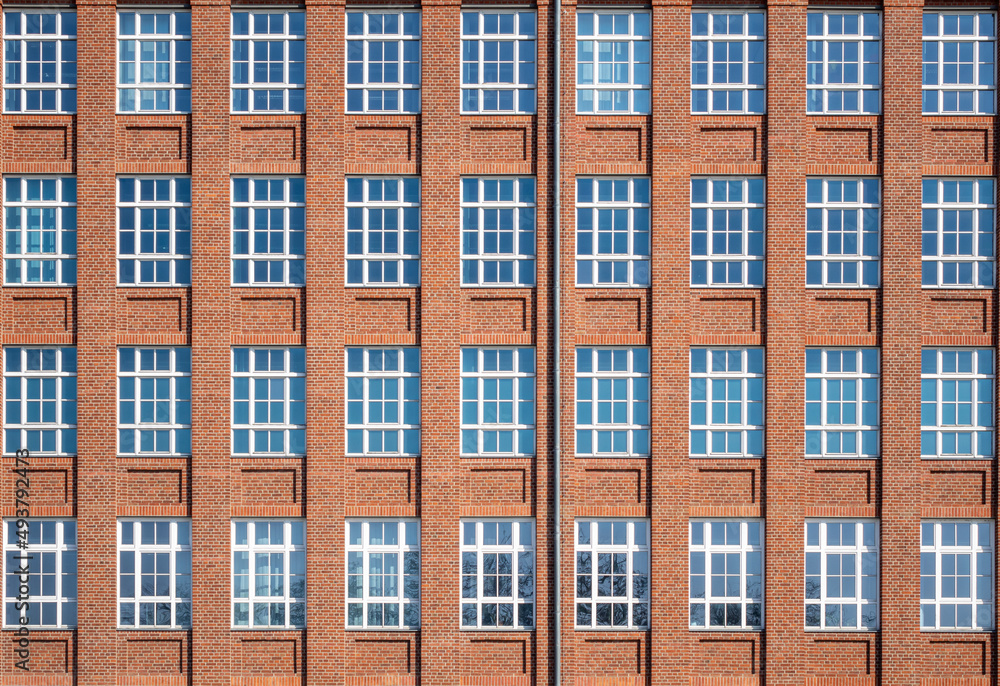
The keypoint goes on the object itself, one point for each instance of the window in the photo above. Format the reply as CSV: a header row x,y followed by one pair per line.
x,y
612,574
154,573
498,232
956,403
612,62
40,59
269,61
612,232
958,216
842,402
154,401
269,574
498,574
727,232
269,401
498,401
842,233
727,402
842,574
383,62
40,400
843,67
383,231
383,401
269,231
612,402
959,63
383,574
727,62
52,574
498,62
727,573
40,226
154,231
956,575
154,61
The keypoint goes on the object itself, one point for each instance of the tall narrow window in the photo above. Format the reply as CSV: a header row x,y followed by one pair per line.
x,y
843,62
612,402
154,573
498,574
728,62
498,62
383,574
612,574
154,231
269,574
958,230
383,231
269,231
40,61
727,232
727,402
612,232
959,75
842,575
269,61
40,231
383,61
40,400
956,403
269,401
51,577
842,402
383,401
956,575
154,61
498,232
498,401
612,62
154,401
727,573
842,233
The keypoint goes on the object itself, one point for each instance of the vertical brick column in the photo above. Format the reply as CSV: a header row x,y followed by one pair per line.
x,y
901,332
784,465
210,344
96,314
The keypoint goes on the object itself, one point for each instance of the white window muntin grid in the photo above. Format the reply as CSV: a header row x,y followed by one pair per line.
x,y
592,539
982,90
863,376
405,256
522,85
407,89
177,87
713,542
867,40
20,433
636,376
62,601
823,570
135,377
289,605
937,199
178,255
751,204
177,549
360,548
521,377
63,84
477,544
941,544
407,372
824,267
289,380
711,367
289,88
944,372
591,264
636,87
292,207
703,95
63,206
522,208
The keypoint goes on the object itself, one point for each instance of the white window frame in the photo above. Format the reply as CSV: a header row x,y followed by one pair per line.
x,y
475,383
983,241
174,548
818,545
589,537
176,88
288,207
407,596
747,39
637,93
290,529
751,212
180,262
863,208
862,39
523,85
401,257
938,366
521,209
712,368
64,86
861,375
637,264
65,432
746,543
935,543
518,550
286,87
400,86
637,432
62,206
177,376
401,376
983,94
294,368
65,572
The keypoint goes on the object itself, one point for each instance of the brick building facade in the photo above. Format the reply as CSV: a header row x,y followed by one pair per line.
x,y
651,483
